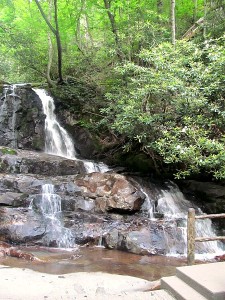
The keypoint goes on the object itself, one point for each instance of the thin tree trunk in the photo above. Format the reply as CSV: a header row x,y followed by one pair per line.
x,y
195,10
205,13
114,28
50,57
50,49
159,7
88,31
59,45
55,31
173,22
82,20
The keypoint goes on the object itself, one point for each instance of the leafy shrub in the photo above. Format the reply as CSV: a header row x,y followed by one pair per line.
x,y
172,104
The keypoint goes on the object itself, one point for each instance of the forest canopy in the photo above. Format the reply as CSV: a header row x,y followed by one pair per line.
x,y
159,66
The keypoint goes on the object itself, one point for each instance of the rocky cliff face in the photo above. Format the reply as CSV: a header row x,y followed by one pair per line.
x,y
21,118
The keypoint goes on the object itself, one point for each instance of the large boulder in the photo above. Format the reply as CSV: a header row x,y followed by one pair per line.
x,y
20,225
111,192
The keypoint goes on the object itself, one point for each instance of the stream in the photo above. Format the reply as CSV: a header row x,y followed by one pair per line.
x,y
97,259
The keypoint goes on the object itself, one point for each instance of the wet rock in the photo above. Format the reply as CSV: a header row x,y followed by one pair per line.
x,y
27,162
84,141
20,225
81,213
22,119
210,195
13,199
134,241
112,192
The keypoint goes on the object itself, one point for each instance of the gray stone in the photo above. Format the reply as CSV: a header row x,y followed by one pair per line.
x,y
21,118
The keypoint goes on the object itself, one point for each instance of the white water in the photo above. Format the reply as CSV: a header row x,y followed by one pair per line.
x,y
57,140
149,206
174,207
50,207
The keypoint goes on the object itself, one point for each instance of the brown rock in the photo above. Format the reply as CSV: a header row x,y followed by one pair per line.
x,y
112,192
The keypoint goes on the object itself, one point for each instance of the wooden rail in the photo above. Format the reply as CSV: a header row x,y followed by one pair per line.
x,y
191,234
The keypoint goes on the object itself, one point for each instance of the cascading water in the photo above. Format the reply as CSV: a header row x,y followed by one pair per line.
x,y
172,204
57,140
48,204
166,207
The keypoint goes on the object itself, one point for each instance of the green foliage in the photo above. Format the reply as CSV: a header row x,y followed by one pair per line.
x,y
173,105
88,41
5,150
169,101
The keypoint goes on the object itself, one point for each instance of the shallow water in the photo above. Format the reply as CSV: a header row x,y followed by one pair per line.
x,y
96,259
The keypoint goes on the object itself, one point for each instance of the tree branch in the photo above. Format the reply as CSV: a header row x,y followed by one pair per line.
x,y
45,17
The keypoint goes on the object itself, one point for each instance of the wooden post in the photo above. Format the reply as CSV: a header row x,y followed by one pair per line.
x,y
191,237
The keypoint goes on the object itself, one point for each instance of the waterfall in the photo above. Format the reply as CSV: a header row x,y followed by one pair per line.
x,y
172,204
166,205
95,167
57,140
50,207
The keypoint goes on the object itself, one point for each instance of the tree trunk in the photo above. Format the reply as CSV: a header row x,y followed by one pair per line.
x,y
114,29
85,41
159,7
173,23
55,31
205,13
195,10
50,50
50,57
59,45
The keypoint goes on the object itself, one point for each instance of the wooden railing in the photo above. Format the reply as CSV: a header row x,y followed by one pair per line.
x,y
191,234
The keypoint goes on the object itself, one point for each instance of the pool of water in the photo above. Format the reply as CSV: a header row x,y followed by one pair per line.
x,y
96,259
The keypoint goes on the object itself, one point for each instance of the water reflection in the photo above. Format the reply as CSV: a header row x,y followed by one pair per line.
x,y
56,261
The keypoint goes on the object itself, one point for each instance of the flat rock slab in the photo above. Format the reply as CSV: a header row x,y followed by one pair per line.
x,y
30,162
24,284
209,279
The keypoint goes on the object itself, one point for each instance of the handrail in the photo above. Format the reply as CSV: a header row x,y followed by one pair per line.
x,y
191,234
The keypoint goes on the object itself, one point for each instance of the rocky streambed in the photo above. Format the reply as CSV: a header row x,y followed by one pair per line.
x,y
98,208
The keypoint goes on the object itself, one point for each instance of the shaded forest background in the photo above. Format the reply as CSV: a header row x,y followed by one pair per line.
x,y
149,76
